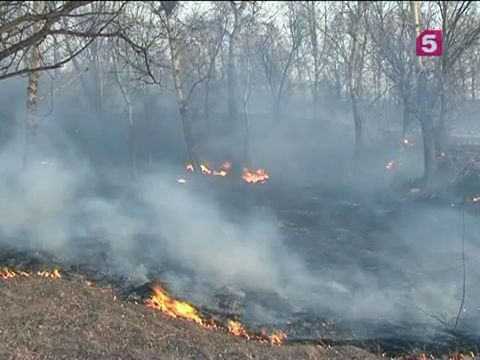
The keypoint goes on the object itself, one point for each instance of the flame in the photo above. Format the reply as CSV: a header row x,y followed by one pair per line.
x,y
219,173
476,199
277,338
205,170
6,274
389,165
55,274
255,176
237,329
162,301
406,142
250,176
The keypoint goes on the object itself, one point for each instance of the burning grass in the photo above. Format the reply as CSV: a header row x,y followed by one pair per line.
x,y
250,176
162,301
7,274
90,322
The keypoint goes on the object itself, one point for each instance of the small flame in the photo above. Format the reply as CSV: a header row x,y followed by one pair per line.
x,y
204,168
389,165
55,274
476,199
237,329
181,181
255,176
219,173
407,142
6,274
161,300
277,338
226,165
189,167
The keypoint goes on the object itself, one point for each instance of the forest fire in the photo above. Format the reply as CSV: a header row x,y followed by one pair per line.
x,y
255,176
7,274
162,301
389,165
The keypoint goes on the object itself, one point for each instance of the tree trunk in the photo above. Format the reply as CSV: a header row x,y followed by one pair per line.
x,y
429,152
441,131
246,140
31,121
316,60
423,111
232,69
406,116
182,103
207,106
358,125
233,55
131,141
97,76
354,81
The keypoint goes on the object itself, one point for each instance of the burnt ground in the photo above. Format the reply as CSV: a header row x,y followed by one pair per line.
x,y
69,319
332,227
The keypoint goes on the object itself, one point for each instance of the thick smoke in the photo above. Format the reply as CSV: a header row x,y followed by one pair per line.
x,y
409,267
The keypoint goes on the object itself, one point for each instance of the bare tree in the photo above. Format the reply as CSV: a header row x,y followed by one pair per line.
x,y
355,69
233,54
32,90
277,53
166,15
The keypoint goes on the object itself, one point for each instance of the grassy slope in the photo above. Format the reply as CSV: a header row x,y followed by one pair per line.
x,y
60,319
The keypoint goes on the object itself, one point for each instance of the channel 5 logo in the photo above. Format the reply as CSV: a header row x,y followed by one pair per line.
x,y
430,43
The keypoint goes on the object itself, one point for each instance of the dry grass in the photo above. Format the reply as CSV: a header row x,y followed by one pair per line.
x,y
60,319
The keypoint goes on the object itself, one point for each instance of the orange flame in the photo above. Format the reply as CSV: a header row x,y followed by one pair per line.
x,y
226,165
7,274
161,300
255,176
55,274
237,329
389,165
204,168
181,181
189,167
277,338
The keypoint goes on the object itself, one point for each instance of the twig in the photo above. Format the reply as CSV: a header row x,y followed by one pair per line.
x,y
464,269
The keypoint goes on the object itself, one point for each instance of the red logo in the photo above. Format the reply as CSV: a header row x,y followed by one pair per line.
x,y
430,43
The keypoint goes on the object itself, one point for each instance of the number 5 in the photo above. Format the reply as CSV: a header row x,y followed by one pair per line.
x,y
429,43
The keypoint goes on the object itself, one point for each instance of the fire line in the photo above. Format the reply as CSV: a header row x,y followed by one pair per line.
x,y
160,300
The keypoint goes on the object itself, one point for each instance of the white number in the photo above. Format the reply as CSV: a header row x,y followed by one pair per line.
x,y
429,43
